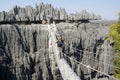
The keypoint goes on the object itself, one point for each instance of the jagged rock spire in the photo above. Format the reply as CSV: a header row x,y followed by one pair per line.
x,y
43,11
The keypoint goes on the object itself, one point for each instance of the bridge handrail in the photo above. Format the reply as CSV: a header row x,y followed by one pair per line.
x,y
93,52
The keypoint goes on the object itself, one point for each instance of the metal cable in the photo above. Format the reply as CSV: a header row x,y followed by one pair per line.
x,y
87,66
97,60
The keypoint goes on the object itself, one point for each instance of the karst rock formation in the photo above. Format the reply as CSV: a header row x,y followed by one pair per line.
x,y
24,49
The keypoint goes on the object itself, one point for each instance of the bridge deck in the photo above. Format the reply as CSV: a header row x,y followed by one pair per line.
x,y
65,70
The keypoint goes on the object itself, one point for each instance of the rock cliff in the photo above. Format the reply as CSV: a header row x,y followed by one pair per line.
x,y
24,49
96,52
27,56
44,11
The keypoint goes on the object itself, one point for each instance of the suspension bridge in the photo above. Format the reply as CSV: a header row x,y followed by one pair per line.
x,y
66,71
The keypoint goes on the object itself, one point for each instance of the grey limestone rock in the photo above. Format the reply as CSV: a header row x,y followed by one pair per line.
x,y
43,11
2,16
26,48
96,51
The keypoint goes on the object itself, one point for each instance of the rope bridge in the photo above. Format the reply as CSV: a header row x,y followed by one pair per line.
x,y
65,69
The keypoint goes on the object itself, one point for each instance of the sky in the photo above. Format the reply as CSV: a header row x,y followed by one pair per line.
x,y
108,9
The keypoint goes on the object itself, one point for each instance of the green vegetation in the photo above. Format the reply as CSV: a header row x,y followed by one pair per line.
x,y
115,33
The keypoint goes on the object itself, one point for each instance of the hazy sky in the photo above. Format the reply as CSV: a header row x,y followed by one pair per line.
x,y
108,9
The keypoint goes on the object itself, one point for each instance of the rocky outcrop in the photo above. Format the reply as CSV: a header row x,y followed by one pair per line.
x,y
26,56
83,15
44,11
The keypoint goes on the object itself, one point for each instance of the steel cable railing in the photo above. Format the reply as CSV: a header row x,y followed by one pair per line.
x,y
88,66
95,59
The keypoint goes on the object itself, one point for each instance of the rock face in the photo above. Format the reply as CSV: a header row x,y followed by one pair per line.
x,y
44,11
25,51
